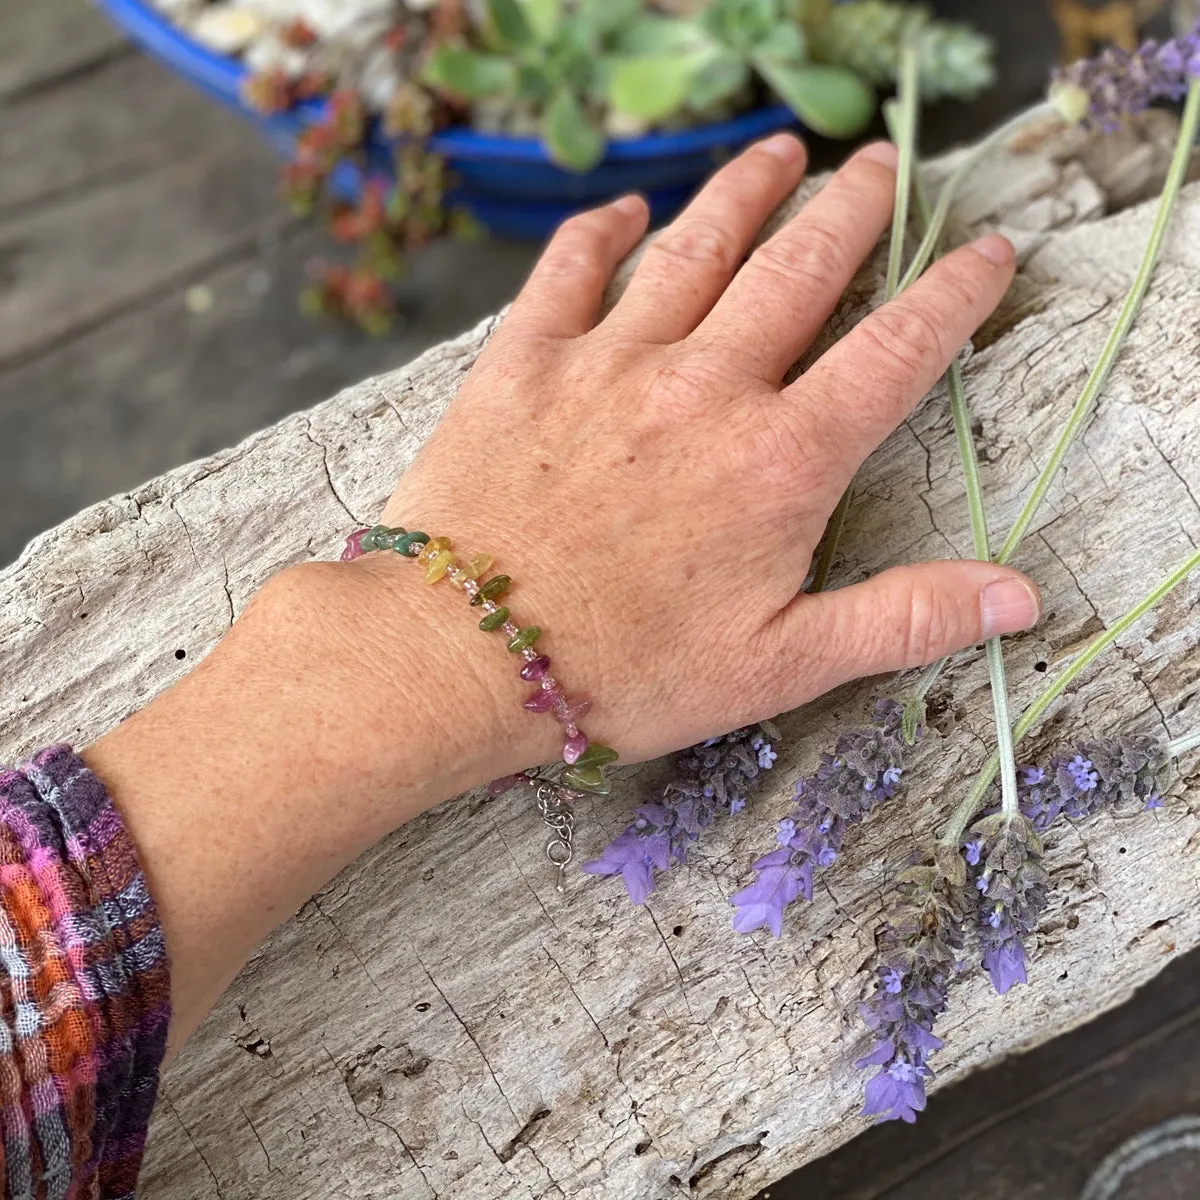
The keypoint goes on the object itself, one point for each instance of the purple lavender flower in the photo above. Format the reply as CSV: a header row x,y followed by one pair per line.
x,y
1118,83
1105,773
915,964
863,771
1005,856
714,778
1015,894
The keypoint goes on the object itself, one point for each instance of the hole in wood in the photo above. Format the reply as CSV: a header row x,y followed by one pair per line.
x,y
181,654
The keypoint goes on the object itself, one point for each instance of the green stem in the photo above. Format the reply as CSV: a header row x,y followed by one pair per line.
x,y
1181,746
909,91
970,160
1188,128
906,128
966,811
1010,800
928,678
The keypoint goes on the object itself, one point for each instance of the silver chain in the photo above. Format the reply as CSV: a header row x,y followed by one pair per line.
x,y
556,812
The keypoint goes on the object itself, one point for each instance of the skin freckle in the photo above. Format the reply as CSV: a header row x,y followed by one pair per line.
x,y
543,466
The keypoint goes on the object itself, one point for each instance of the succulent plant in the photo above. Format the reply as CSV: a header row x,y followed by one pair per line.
x,y
699,61
866,36
545,56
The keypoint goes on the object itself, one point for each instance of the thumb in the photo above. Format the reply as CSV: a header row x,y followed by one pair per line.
x,y
905,617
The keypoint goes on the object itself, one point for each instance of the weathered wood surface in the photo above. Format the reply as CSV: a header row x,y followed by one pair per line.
x,y
437,1021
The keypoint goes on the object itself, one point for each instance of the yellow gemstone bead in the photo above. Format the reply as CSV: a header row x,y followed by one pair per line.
x,y
477,564
435,568
434,546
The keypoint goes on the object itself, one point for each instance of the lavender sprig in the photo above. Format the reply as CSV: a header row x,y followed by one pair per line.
x,y
863,771
1118,83
714,779
1004,855
916,961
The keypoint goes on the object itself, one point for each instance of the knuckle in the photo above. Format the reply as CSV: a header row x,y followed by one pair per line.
x,y
814,254
906,335
696,242
928,624
685,387
580,247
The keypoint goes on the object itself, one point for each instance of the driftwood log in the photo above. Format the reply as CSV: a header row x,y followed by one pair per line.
x,y
438,1022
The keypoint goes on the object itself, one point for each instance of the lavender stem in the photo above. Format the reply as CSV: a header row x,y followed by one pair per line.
x,y
1181,746
946,197
965,813
1188,127
909,92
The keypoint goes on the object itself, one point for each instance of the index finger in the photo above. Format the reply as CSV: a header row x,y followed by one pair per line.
x,y
867,383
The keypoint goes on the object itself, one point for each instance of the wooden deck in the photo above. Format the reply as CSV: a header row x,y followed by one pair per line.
x,y
120,190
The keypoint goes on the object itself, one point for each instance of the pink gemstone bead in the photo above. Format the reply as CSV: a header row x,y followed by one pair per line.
x,y
535,669
574,747
543,700
570,711
354,548
505,784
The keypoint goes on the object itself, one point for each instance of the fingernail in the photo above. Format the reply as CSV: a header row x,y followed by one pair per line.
x,y
632,205
784,146
883,153
996,249
1009,605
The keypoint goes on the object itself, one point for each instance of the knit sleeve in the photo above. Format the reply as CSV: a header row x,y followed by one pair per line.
x,y
84,987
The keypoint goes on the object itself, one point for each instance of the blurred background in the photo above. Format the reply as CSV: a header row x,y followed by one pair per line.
x,y
148,316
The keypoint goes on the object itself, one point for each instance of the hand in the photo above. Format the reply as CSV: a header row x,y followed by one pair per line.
x,y
657,492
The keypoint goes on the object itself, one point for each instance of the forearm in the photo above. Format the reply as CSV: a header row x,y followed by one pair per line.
x,y
347,699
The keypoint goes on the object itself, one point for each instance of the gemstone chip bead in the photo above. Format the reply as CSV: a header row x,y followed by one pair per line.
x,y
494,620
437,565
586,779
597,755
574,748
535,669
497,586
411,544
524,638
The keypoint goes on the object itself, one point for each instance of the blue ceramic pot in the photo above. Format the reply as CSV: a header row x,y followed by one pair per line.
x,y
510,184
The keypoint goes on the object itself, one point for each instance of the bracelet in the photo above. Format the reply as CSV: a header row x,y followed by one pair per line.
x,y
585,760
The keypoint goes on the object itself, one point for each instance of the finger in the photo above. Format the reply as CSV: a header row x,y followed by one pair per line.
x,y
687,267
563,295
866,384
905,617
780,299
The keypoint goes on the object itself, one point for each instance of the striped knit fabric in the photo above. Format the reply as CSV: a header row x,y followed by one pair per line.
x,y
84,988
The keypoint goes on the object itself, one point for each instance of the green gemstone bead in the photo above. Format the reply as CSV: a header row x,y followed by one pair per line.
x,y
495,587
410,545
494,620
597,755
371,539
524,639
586,779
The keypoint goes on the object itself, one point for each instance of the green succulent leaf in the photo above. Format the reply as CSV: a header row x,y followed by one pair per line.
x,y
469,74
544,18
653,86
662,35
509,23
742,24
724,75
830,100
786,42
573,140
608,17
